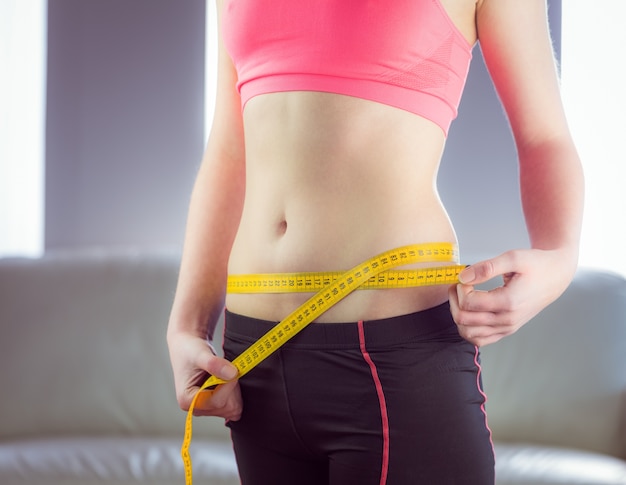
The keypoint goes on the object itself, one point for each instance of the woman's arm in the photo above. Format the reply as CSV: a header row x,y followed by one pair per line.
x,y
515,42
213,218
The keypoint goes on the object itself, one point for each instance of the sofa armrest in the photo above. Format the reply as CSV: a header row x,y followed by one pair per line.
x,y
561,380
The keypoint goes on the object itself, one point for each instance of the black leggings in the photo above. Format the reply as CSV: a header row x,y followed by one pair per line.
x,y
396,401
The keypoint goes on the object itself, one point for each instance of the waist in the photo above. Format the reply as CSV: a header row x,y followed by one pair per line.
x,y
407,282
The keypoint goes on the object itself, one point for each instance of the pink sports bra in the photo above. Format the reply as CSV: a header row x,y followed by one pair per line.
x,y
402,53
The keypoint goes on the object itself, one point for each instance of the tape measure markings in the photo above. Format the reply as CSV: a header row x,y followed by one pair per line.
x,y
310,282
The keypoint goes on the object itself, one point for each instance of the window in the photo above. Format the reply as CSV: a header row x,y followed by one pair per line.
x,y
22,118
594,93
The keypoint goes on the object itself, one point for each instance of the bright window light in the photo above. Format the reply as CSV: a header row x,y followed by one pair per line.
x,y
22,120
594,93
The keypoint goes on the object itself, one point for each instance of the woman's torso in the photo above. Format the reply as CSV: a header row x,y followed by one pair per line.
x,y
332,180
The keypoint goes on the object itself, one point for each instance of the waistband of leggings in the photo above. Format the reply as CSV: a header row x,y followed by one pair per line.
x,y
426,325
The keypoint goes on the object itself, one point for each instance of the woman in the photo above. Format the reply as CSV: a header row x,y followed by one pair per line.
x,y
330,122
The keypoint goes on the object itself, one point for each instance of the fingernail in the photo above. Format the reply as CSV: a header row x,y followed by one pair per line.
x,y
467,275
229,372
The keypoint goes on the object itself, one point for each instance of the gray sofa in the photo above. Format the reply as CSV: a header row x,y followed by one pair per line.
x,y
86,393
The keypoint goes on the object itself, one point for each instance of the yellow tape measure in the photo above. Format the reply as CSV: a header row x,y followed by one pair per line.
x,y
333,287
309,282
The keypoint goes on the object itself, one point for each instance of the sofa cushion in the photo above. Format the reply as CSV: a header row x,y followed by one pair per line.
x,y
518,464
114,461
83,346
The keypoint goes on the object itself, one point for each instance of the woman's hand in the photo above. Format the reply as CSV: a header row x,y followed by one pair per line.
x,y
193,361
532,279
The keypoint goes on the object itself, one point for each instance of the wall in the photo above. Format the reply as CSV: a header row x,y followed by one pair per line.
x,y
125,131
124,120
478,178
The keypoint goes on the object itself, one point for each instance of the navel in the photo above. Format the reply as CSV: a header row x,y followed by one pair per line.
x,y
281,228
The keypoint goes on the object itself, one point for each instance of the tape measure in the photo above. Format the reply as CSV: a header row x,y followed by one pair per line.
x,y
309,282
330,289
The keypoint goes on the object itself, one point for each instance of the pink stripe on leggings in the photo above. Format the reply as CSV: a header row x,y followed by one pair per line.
x,y
482,406
381,402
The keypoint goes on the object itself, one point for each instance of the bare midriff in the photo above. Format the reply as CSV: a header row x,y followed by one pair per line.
x,y
331,181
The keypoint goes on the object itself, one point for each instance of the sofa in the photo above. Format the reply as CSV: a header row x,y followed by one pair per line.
x,y
87,396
